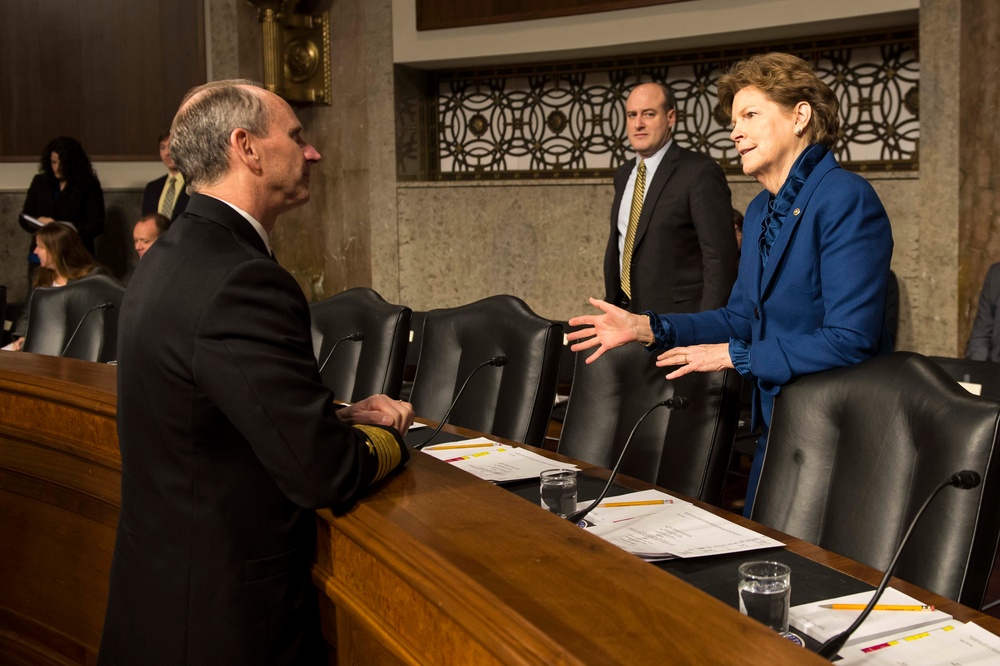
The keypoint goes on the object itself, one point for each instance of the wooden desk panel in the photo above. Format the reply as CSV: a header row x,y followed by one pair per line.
x,y
434,566
60,482
492,579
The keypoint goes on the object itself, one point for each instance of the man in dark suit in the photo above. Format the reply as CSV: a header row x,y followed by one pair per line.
x,y
671,220
228,437
167,195
984,341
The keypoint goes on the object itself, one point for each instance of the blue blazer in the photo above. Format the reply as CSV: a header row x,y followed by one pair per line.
x,y
819,303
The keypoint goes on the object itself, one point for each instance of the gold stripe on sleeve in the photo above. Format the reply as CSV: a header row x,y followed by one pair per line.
x,y
383,445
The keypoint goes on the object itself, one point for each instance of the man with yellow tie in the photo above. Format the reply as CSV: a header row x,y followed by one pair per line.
x,y
672,246
167,195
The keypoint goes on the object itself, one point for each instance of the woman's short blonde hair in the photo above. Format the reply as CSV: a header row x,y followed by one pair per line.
x,y
786,80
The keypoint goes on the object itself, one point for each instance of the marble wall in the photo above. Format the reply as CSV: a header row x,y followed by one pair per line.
x,y
434,244
443,244
544,242
978,164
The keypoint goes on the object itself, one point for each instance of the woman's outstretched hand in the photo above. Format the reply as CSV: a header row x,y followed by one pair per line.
x,y
614,328
697,358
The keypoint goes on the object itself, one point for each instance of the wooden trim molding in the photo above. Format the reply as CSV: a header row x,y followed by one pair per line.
x,y
442,14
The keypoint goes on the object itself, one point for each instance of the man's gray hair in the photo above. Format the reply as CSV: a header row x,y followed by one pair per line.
x,y
199,136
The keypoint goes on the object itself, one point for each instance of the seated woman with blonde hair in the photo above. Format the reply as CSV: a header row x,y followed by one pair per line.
x,y
63,258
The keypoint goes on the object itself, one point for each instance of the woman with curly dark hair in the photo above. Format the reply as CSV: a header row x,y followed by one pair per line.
x,y
66,190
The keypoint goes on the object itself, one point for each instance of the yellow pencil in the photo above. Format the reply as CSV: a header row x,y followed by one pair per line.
x,y
460,446
637,503
884,607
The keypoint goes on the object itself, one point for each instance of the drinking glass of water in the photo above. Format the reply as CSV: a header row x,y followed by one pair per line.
x,y
765,591
558,490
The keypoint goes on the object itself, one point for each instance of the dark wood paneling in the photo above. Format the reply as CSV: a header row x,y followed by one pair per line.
x,y
108,72
438,14
59,104
183,30
103,108
142,73
18,54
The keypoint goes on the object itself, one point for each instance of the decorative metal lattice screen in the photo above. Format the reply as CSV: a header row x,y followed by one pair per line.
x,y
569,120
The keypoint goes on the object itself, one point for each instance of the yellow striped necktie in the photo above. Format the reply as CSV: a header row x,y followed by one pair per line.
x,y
633,222
168,199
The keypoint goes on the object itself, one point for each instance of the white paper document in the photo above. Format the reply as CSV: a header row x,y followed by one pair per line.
x,y
30,223
494,462
950,643
678,529
824,623
612,512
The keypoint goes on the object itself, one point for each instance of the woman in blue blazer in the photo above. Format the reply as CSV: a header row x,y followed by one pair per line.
x,y
811,289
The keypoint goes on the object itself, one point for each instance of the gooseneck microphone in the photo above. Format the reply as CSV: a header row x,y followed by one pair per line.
x,y
670,403
965,480
103,306
496,362
357,336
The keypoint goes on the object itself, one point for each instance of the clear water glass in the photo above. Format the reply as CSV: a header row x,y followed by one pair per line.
x,y
558,491
765,590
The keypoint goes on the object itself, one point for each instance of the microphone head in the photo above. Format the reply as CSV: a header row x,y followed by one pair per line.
x,y
677,402
107,306
498,361
966,479
357,336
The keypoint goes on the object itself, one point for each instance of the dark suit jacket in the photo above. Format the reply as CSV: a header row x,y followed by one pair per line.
x,y
151,198
226,432
984,341
80,203
685,254
819,303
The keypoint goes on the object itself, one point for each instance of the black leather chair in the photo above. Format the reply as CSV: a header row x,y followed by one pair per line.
x,y
686,451
373,365
412,353
56,312
854,452
513,401
567,367
3,314
984,373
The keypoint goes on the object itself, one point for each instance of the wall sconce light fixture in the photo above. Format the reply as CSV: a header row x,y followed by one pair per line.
x,y
296,44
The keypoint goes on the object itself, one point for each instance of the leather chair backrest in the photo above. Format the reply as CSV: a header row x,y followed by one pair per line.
x,y
55,313
416,338
984,373
686,451
373,365
854,452
513,401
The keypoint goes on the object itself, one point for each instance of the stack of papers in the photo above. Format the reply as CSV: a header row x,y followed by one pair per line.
x,y
656,526
494,462
942,643
824,623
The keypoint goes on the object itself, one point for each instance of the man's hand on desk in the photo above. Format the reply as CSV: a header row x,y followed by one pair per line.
x,y
379,410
